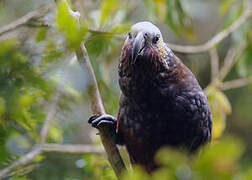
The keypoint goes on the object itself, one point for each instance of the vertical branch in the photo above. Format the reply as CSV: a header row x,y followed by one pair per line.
x,y
231,59
52,111
93,91
214,61
114,156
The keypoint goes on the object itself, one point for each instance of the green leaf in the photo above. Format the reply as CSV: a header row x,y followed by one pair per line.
x,y
248,174
121,29
69,25
98,43
220,107
39,158
137,174
151,7
225,6
2,108
108,7
160,9
234,15
52,53
41,34
178,19
219,161
178,157
241,67
55,133
20,178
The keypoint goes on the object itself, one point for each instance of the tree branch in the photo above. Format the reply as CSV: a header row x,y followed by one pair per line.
x,y
22,161
36,14
93,91
52,111
230,60
51,148
97,107
72,148
236,83
214,61
247,13
107,139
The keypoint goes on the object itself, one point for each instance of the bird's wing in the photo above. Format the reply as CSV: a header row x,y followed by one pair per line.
x,y
196,110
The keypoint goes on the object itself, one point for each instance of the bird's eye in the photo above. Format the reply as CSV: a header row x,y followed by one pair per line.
x,y
155,39
130,35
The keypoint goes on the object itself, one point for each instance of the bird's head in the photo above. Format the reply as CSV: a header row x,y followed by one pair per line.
x,y
145,56
145,38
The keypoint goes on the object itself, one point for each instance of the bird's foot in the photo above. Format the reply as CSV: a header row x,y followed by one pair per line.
x,y
104,120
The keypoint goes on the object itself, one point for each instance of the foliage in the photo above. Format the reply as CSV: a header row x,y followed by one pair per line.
x,y
173,13
22,87
220,108
219,161
69,26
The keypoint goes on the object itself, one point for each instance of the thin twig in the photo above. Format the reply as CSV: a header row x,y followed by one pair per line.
x,y
230,60
72,148
52,111
36,14
51,148
214,61
22,161
247,13
236,83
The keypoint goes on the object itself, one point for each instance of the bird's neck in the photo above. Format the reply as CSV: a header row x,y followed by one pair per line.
x,y
139,79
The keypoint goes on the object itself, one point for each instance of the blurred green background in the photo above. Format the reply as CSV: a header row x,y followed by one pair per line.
x,y
38,57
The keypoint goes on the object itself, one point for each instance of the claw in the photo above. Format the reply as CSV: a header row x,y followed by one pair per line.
x,y
93,117
104,120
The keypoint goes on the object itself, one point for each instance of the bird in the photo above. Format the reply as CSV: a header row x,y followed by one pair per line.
x,y
161,102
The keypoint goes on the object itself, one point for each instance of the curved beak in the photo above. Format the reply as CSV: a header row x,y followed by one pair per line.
x,y
138,46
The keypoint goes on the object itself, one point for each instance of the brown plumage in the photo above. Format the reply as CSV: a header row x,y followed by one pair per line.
x,y
161,103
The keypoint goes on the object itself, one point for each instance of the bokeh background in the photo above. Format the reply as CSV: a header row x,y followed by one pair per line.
x,y
37,63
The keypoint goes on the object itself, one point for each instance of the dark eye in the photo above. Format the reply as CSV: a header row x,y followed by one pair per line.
x,y
155,39
145,35
130,35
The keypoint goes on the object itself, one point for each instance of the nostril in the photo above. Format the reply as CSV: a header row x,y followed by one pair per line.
x,y
145,35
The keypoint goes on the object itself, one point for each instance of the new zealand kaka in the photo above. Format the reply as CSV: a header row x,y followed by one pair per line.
x,y
161,104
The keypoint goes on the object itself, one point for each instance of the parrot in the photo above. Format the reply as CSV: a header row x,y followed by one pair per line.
x,y
161,102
